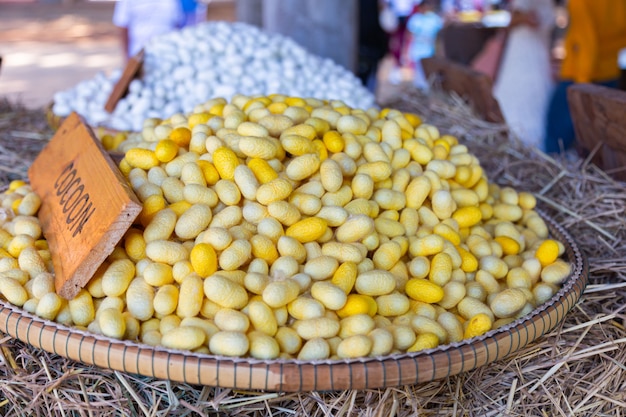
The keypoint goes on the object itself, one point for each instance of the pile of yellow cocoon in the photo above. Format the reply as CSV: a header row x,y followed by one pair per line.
x,y
284,227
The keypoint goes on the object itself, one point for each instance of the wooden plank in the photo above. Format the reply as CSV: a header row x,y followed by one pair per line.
x,y
473,86
133,66
87,204
598,117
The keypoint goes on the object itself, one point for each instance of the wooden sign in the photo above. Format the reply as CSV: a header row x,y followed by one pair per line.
x,y
473,86
598,117
133,66
87,204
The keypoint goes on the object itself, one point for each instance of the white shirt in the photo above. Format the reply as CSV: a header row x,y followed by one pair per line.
x,y
147,18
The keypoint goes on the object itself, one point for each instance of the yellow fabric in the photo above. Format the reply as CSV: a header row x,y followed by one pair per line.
x,y
596,33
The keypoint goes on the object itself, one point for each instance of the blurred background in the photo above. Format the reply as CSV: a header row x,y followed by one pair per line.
x,y
51,45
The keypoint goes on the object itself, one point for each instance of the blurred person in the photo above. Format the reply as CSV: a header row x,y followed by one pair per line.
x,y
140,20
403,9
195,12
424,26
523,84
596,34
373,42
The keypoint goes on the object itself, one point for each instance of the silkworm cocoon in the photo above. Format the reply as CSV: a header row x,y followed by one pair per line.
x,y
227,217
117,277
280,293
82,309
507,212
452,325
339,198
141,158
274,190
403,336
229,343
172,189
184,338
263,346
547,252
18,243
193,221
303,166
542,292
225,292
424,341
175,166
508,302
262,317
331,175
307,204
424,290
389,199
321,267
284,266
419,267
314,349
26,225
453,292
308,229
387,255
161,226
427,245
470,306
225,161
49,306
355,346
556,273
288,340
303,308
374,283
191,173
228,192
509,245
331,296
477,325
166,251
139,299
166,300
246,181
257,147
394,304
231,320
323,327
158,274
440,269
284,212
289,246
111,323
355,228
29,205
23,278
378,171
478,246
235,255
344,276
30,260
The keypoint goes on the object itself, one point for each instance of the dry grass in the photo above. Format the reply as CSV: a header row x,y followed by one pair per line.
x,y
576,370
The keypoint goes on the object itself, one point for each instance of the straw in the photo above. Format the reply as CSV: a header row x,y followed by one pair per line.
x,y
577,369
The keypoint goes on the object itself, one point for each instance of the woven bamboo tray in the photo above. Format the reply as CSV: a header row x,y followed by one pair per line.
x,y
294,375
